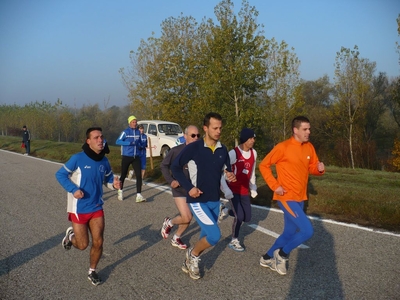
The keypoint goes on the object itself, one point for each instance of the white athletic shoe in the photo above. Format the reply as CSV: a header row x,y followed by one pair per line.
x,y
120,195
140,198
280,263
235,245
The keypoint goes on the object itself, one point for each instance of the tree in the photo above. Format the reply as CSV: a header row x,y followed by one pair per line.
x,y
282,96
317,96
234,60
393,101
162,80
192,69
398,32
395,161
353,79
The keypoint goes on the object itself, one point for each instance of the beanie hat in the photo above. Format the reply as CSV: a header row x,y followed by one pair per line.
x,y
245,134
131,118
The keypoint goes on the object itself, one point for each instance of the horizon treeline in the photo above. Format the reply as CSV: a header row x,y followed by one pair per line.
x,y
230,67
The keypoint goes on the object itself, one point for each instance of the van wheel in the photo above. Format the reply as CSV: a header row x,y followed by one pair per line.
x,y
164,151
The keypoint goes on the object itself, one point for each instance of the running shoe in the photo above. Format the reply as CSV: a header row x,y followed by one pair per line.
x,y
120,195
178,243
268,263
223,212
66,243
94,278
235,245
140,198
191,265
280,262
166,228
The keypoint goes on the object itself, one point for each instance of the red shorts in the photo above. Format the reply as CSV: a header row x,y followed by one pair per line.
x,y
85,218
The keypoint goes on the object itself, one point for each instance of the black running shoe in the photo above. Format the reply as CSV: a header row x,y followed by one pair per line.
x,y
66,243
94,278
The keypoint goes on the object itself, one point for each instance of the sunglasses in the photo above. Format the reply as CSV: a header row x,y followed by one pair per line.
x,y
194,135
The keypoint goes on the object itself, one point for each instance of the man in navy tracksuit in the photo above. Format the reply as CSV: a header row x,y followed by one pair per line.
x,y
130,143
207,160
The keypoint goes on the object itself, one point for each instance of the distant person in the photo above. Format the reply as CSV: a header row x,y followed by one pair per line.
x,y
243,160
26,139
82,176
178,192
294,160
130,143
106,149
142,150
207,161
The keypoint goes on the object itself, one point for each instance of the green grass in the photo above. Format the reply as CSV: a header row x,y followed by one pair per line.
x,y
364,197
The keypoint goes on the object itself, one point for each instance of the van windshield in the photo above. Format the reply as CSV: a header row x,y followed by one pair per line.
x,y
169,129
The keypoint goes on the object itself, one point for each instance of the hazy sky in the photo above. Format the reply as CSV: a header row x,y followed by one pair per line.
x,y
73,49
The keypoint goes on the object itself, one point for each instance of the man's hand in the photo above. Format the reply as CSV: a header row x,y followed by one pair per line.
x,y
117,183
253,193
78,194
195,192
229,176
175,184
280,191
321,167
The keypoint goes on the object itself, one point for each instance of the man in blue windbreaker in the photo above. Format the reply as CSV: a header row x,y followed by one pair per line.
x,y
131,145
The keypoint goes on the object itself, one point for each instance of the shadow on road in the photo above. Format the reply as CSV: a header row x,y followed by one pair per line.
x,y
212,255
317,268
16,260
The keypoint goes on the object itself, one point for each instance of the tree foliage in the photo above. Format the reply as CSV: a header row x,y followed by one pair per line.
x,y
227,65
353,81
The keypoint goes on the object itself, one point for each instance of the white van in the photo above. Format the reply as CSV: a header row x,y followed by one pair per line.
x,y
162,135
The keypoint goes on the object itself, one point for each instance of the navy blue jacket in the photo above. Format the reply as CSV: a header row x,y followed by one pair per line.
x,y
205,169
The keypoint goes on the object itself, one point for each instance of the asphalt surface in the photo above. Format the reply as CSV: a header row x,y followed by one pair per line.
x,y
338,262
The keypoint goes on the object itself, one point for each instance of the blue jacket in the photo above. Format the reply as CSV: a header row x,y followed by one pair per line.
x,y
205,169
130,142
180,140
82,172
143,145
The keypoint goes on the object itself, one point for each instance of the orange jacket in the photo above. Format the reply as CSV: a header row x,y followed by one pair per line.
x,y
293,161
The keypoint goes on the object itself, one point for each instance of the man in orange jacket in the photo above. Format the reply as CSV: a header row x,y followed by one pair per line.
x,y
294,159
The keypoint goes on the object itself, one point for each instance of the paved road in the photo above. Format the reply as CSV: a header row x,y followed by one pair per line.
x,y
339,262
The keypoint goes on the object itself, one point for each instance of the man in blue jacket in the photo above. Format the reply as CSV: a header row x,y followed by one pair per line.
x,y
82,176
142,154
131,145
207,160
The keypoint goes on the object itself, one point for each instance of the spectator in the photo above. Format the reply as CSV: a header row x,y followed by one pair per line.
x,y
26,139
130,143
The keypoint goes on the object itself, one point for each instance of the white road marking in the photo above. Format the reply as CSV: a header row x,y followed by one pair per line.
x,y
334,222
167,189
